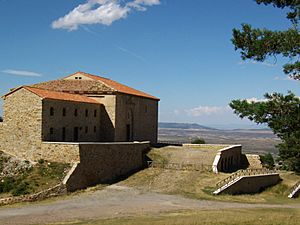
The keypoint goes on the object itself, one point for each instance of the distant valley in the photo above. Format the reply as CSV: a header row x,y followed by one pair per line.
x,y
258,141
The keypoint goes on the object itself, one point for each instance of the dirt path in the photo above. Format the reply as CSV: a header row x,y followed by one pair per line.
x,y
113,201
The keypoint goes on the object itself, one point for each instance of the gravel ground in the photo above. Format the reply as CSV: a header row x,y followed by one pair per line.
x,y
112,201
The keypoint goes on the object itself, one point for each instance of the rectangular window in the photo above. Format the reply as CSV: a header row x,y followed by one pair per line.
x,y
63,133
75,112
64,112
51,130
51,111
86,113
95,129
95,113
86,130
75,134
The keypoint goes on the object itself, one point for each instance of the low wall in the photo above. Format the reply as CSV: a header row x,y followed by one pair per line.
x,y
51,192
228,159
252,184
105,162
64,152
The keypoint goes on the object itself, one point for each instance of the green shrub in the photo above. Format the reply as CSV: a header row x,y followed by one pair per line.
x,y
198,141
21,189
7,184
41,161
267,160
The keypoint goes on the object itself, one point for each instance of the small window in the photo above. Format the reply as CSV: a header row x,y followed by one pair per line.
x,y
63,133
76,112
79,78
64,112
146,109
86,130
51,130
76,78
86,113
95,129
95,113
51,111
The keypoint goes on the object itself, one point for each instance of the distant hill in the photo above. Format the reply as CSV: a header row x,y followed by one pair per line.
x,y
183,126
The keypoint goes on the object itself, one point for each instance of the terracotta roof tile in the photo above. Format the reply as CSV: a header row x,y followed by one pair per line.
x,y
117,86
46,94
74,86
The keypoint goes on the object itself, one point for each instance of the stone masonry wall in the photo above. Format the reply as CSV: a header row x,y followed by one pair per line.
x,y
1,133
22,114
252,184
228,159
60,152
108,116
141,114
65,120
105,162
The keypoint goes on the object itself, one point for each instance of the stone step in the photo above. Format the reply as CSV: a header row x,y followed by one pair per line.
x,y
254,161
295,191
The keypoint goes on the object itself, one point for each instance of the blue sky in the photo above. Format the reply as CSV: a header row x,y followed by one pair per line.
x,y
177,50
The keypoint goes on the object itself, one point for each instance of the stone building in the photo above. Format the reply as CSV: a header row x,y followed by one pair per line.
x,y
78,108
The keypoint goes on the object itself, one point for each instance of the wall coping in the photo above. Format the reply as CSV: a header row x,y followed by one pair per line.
x,y
98,143
218,156
229,147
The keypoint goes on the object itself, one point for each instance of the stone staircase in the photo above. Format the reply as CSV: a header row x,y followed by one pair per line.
x,y
254,161
295,191
235,177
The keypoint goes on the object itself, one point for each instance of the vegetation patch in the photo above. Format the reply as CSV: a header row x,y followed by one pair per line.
x,y
200,184
21,177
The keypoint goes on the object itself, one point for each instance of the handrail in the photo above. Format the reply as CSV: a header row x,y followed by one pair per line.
x,y
246,172
180,166
295,187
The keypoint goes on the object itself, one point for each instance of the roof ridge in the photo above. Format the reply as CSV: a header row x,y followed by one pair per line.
x,y
116,86
95,77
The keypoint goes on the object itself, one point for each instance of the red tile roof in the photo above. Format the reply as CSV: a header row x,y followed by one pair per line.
x,y
46,94
121,88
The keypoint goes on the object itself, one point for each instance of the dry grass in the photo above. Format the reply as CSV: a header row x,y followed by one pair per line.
x,y
200,185
208,147
198,155
210,217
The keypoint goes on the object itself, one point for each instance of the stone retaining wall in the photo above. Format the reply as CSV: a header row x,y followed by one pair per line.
x,y
57,190
228,159
252,184
105,162
65,152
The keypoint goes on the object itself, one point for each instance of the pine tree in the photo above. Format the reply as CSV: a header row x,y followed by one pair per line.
x,y
280,112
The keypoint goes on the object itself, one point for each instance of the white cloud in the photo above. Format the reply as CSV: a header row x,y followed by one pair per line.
x,y
253,99
206,110
22,73
100,12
